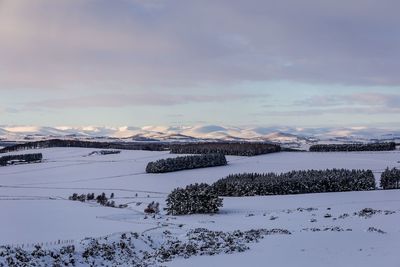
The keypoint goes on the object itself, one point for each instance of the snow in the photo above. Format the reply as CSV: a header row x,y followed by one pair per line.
x,y
302,137
305,248
35,206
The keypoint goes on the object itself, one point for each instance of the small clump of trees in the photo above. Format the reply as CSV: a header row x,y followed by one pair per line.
x,y
104,152
295,182
226,148
386,146
194,199
390,179
186,163
23,158
101,199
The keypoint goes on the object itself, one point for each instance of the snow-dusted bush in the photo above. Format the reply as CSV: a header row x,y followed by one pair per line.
x,y
226,148
185,163
295,182
194,199
101,199
24,158
390,179
136,250
353,147
153,207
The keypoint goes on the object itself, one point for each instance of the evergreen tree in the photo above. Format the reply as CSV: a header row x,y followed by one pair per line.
x,y
295,182
390,179
194,199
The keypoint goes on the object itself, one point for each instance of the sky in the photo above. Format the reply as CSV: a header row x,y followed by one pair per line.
x,y
308,63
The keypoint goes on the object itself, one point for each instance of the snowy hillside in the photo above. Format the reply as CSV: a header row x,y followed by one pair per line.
x,y
328,229
285,135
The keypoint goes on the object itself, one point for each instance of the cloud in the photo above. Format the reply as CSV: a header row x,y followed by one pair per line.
x,y
128,100
335,111
50,44
351,104
369,99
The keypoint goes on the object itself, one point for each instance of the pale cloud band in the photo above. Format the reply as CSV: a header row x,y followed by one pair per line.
x,y
349,104
124,100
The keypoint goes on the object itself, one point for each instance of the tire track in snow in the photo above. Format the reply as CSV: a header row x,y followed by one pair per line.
x,y
88,179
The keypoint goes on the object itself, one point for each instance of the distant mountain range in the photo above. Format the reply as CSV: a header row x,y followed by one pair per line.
x,y
294,137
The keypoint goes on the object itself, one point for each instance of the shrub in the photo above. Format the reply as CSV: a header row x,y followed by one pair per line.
x,y
295,182
390,179
388,146
226,148
185,163
101,199
194,199
153,207
24,158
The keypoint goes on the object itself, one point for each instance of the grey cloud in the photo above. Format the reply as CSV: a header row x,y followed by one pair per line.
x,y
124,100
352,104
367,99
51,44
326,111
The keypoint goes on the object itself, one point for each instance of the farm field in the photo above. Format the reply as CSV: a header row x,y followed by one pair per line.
x,y
327,229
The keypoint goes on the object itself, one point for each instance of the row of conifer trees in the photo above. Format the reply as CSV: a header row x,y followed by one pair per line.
x,y
203,198
25,158
295,182
186,163
87,144
226,148
387,146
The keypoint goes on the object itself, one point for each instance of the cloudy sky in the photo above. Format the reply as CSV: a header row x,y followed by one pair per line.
x,y
179,62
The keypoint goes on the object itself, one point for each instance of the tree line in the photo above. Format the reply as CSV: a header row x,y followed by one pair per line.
x,y
386,146
186,163
295,182
203,198
25,158
86,144
226,148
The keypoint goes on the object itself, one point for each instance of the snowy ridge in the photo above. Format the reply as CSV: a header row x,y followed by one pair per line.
x,y
206,132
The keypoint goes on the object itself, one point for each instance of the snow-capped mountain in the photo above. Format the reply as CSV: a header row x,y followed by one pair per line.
x,y
284,135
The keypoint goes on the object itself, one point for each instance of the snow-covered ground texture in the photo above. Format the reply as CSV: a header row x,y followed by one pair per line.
x,y
330,229
294,137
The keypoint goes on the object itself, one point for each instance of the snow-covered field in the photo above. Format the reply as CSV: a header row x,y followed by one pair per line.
x,y
327,229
